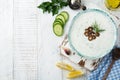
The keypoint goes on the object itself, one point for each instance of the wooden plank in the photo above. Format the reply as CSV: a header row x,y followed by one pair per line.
x,y
25,40
6,52
48,49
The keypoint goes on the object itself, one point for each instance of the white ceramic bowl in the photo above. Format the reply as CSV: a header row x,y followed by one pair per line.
x,y
103,44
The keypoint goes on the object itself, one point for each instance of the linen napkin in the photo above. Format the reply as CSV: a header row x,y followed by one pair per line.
x,y
100,71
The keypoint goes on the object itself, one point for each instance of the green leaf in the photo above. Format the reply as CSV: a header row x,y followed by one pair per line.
x,y
49,9
55,10
55,1
101,30
62,4
44,6
96,27
54,6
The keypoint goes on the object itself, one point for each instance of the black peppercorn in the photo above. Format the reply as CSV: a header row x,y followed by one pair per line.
x,y
83,7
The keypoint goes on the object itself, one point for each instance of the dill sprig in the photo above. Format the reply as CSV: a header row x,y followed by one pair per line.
x,y
96,28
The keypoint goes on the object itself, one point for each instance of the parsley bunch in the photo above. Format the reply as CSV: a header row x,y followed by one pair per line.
x,y
53,6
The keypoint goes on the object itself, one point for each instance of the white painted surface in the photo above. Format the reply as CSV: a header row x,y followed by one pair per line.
x,y
6,36
29,49
25,40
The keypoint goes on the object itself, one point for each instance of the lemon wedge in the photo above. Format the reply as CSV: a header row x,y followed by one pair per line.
x,y
65,66
75,74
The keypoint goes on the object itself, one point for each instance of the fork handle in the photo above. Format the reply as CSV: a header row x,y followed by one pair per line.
x,y
108,70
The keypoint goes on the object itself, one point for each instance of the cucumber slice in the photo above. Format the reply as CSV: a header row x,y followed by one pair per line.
x,y
61,17
58,29
65,14
58,21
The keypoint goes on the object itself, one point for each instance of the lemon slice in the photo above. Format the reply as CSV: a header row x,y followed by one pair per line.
x,y
65,66
74,74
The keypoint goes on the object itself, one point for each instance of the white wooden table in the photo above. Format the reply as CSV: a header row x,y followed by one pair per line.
x,y
29,49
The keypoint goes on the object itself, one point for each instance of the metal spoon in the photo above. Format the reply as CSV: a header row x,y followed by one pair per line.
x,y
115,56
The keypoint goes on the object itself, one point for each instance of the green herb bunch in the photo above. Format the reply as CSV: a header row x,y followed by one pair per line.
x,y
54,6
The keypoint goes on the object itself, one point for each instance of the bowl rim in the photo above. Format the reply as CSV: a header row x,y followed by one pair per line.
x,y
108,16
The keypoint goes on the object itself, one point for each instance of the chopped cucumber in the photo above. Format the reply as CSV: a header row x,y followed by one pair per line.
x,y
61,17
58,29
65,14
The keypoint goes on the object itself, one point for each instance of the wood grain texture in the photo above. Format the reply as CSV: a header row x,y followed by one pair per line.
x,y
29,49
25,40
6,33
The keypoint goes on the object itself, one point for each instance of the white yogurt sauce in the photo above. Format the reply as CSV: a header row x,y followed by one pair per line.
x,y
101,44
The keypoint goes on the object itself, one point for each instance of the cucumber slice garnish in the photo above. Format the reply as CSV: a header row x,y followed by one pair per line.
x,y
58,29
58,21
61,17
65,14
